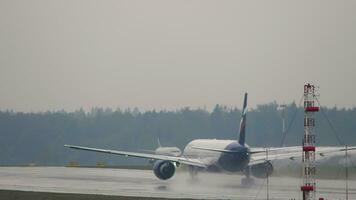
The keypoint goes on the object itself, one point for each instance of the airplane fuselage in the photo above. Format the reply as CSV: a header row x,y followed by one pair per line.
x,y
228,161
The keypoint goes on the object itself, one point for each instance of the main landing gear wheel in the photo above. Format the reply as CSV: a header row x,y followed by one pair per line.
x,y
248,181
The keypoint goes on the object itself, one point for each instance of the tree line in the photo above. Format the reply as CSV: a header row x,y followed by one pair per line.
x,y
39,137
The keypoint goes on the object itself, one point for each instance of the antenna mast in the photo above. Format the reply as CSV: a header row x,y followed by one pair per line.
x,y
308,156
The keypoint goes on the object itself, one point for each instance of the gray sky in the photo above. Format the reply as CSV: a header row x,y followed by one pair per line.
x,y
67,54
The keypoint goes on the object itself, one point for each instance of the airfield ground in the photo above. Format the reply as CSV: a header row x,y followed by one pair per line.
x,y
59,183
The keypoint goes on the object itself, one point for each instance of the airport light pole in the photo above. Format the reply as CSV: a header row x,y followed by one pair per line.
x,y
283,108
347,174
283,115
267,175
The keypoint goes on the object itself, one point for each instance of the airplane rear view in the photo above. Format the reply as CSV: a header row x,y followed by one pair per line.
x,y
220,155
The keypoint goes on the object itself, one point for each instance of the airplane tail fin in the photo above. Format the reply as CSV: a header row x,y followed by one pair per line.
x,y
242,131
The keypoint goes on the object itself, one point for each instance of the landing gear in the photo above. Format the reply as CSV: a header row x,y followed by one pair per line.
x,y
193,172
248,181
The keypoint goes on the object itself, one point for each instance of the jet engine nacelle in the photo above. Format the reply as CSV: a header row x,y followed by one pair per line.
x,y
164,169
262,170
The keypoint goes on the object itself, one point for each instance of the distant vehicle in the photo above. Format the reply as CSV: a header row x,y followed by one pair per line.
x,y
222,155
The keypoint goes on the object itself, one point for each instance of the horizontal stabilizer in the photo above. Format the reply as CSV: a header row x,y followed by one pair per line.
x,y
259,155
217,150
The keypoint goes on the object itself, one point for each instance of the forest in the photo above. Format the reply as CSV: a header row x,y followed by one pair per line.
x,y
38,138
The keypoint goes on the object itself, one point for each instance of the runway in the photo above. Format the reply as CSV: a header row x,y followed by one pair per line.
x,y
142,183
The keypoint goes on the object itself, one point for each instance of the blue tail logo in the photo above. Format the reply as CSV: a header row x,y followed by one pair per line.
x,y
242,131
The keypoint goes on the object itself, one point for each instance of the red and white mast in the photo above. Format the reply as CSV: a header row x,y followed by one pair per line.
x,y
308,157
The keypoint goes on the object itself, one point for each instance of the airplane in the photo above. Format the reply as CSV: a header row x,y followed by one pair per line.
x,y
232,156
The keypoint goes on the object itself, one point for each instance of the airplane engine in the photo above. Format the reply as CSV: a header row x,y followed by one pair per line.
x,y
262,170
164,169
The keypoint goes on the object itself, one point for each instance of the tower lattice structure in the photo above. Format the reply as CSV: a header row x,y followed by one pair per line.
x,y
308,158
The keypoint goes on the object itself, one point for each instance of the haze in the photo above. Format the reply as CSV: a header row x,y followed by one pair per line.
x,y
68,54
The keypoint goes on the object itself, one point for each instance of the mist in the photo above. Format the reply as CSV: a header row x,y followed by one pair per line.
x,y
160,54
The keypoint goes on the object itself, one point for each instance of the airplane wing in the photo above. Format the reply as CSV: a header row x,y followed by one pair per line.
x,y
292,153
148,151
181,160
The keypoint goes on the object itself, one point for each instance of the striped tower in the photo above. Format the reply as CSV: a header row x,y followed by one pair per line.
x,y
308,157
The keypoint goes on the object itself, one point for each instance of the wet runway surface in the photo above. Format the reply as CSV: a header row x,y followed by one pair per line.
x,y
143,183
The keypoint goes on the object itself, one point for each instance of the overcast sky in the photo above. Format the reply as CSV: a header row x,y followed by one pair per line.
x,y
67,54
